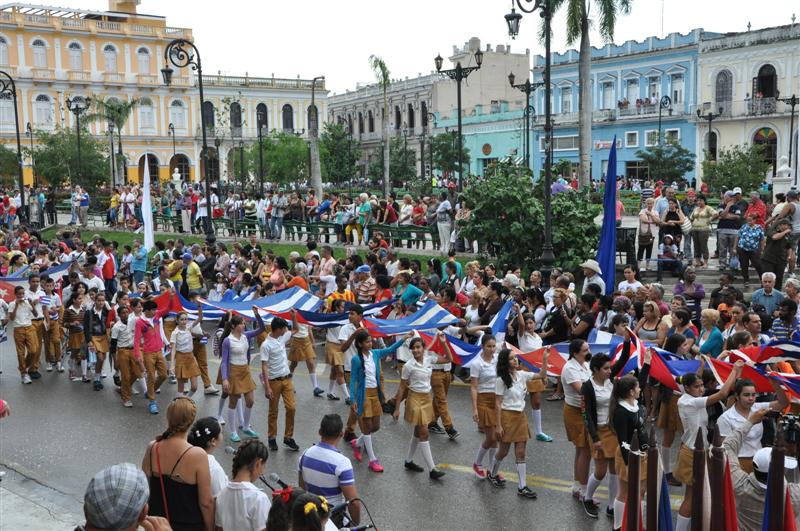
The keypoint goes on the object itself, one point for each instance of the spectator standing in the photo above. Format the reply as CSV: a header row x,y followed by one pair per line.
x,y
649,221
750,242
730,220
701,217
687,207
767,296
777,248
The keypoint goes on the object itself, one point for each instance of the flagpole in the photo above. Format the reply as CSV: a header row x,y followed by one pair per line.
x,y
699,478
716,473
653,480
775,494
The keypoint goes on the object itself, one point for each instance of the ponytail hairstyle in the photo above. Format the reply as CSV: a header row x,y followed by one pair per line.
x,y
597,362
414,341
181,413
504,367
361,336
247,454
486,338
234,321
738,340
309,512
204,431
687,380
280,514
622,389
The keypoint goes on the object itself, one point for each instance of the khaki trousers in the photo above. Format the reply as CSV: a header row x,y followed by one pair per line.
x,y
52,342
25,342
156,369
281,389
38,327
129,371
440,384
201,355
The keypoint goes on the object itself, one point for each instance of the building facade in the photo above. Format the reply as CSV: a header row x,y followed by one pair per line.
x,y
628,83
57,54
743,78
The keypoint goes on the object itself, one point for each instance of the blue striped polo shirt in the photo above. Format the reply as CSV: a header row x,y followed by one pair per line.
x,y
325,470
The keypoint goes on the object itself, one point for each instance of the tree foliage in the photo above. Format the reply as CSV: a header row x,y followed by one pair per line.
x,y
508,216
285,158
402,163
56,156
742,166
445,153
9,167
384,78
668,161
117,112
339,153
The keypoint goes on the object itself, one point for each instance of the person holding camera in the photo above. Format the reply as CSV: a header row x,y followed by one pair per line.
x,y
750,489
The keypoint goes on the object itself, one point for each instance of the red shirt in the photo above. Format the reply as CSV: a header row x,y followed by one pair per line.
x,y
391,215
759,209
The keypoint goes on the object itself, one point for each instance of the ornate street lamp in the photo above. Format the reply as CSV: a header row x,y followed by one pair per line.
x,y
183,53
665,103
29,134
513,20
7,86
528,88
260,118
458,74
78,105
710,117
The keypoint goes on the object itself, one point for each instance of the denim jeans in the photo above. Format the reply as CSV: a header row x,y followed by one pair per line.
x,y
725,240
276,227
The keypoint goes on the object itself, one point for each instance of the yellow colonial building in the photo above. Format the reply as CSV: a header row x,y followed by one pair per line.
x,y
55,54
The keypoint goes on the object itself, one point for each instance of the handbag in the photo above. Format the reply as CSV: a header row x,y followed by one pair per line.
x,y
686,226
645,239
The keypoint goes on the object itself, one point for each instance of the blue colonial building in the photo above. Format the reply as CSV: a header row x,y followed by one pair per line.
x,y
628,82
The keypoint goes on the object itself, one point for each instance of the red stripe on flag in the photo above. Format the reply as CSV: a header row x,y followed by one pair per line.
x,y
722,369
729,501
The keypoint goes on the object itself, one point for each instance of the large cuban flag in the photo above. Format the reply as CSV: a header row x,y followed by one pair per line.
x,y
430,317
281,302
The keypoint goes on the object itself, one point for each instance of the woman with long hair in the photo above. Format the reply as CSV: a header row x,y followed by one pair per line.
x,y
235,374
573,375
483,375
415,384
556,326
651,327
366,394
310,513
242,505
511,424
694,416
528,341
178,473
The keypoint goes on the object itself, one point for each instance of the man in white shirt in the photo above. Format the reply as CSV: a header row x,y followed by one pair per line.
x,y
347,335
34,293
122,351
21,313
277,381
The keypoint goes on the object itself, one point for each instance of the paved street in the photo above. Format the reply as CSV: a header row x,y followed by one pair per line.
x,y
61,433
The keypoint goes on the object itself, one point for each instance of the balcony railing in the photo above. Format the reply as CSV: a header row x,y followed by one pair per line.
x,y
102,25
42,73
140,29
75,75
752,107
73,23
38,20
174,32
147,79
266,82
113,77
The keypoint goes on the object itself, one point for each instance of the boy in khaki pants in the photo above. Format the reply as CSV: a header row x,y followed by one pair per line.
x,y
22,312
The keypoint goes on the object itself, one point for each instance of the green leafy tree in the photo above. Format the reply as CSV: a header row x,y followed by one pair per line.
x,y
384,78
445,153
9,167
667,161
403,163
57,159
285,158
508,217
743,166
117,112
339,153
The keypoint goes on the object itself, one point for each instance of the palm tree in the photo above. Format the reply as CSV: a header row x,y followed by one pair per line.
x,y
382,74
116,112
578,24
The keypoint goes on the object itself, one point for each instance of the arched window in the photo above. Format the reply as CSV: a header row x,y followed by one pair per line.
x,y
766,84
711,145
3,51
143,60
360,123
208,115
287,117
262,119
147,119
723,90
423,113
6,111
152,165
181,163
370,122
39,53
411,121
177,114
75,56
398,117
767,137
43,111
236,119
110,58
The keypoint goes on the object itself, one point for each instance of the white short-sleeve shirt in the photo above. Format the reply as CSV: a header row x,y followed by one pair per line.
x,y
370,372
572,372
242,506
218,478
529,342
182,339
694,416
418,374
273,352
514,396
344,334
332,335
485,373
731,420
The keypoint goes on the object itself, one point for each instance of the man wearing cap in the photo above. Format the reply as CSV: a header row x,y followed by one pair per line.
x,y
192,275
751,489
591,273
730,220
365,294
116,498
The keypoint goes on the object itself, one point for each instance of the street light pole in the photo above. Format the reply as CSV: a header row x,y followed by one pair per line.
x,y
528,88
666,103
7,86
710,117
459,73
259,122
78,106
513,19
113,157
313,141
29,134
793,101
183,53
241,164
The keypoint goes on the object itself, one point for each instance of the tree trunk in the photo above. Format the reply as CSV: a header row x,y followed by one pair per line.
x,y
387,183
585,105
316,170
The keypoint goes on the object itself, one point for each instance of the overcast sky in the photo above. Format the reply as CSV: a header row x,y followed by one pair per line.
x,y
336,38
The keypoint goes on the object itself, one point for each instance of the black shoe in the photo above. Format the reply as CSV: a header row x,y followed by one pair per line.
x,y
117,380
97,385
273,445
347,401
452,433
495,481
35,375
436,474
413,467
332,396
591,508
526,492
610,512
435,428
671,481
349,436
289,443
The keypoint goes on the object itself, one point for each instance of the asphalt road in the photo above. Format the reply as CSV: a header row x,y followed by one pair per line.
x,y
61,433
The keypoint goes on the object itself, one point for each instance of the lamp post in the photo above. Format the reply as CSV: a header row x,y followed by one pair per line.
x,y
260,116
313,142
29,134
113,157
78,106
183,53
513,20
666,103
428,118
710,117
528,88
241,164
459,74
171,128
793,101
7,86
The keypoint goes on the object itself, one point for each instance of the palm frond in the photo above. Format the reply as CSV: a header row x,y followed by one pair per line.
x,y
608,18
576,11
381,71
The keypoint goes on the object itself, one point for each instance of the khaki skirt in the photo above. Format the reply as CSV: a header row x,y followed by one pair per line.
x,y
301,349
487,414
515,426
100,344
333,354
683,470
609,444
239,378
668,417
186,365
419,409
75,340
372,404
622,469
576,430
535,386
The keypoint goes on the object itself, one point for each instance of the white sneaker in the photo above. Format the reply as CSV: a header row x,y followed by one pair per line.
x,y
26,379
49,367
60,367
211,390
127,403
221,421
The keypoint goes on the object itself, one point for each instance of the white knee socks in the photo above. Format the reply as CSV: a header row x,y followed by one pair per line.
x,y
240,412
495,465
613,488
683,523
427,455
232,420
666,458
536,415
221,405
84,367
522,473
331,383
313,377
412,449
591,487
490,453
247,412
619,513
367,439
481,454
345,390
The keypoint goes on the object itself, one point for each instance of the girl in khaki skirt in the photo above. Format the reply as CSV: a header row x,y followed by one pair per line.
x,y
668,419
511,423
73,321
416,379
184,364
483,375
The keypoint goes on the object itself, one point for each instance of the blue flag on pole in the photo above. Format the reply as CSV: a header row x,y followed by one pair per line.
x,y
607,250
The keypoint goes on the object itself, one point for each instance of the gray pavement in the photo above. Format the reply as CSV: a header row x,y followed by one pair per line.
x,y
61,433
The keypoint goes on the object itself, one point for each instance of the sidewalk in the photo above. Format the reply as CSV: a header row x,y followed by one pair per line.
x,y
27,505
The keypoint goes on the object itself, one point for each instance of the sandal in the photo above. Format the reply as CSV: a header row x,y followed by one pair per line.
x,y
554,398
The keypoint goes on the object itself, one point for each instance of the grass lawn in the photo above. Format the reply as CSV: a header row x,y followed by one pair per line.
x,y
280,249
